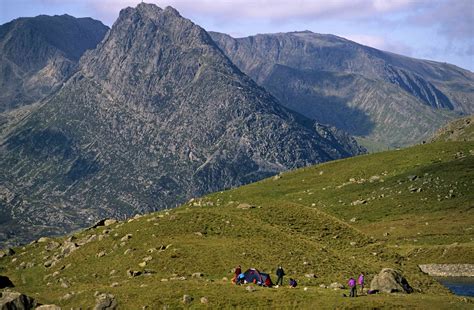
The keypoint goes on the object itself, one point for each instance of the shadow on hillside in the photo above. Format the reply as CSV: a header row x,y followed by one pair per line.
x,y
307,92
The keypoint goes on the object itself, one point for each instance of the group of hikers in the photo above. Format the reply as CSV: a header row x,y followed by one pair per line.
x,y
260,278
353,285
263,279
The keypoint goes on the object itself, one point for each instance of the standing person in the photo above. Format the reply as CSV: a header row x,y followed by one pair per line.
x,y
352,286
360,281
280,273
237,272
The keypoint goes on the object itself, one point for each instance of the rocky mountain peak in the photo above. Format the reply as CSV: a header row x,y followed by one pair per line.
x,y
155,115
39,53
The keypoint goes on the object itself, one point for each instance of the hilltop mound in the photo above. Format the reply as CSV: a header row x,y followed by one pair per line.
x,y
323,223
458,130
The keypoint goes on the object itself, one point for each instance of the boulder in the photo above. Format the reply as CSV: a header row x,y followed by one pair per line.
x,y
98,224
250,288
68,247
109,222
358,202
53,245
48,307
245,206
133,273
6,252
336,285
390,281
15,300
5,282
187,299
126,237
204,300
43,239
105,302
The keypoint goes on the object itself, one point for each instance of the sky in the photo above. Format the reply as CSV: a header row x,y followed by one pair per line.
x,y
440,30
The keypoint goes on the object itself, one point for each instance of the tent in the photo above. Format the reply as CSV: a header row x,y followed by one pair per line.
x,y
252,275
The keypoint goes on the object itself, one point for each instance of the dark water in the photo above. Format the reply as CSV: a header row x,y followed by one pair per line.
x,y
463,286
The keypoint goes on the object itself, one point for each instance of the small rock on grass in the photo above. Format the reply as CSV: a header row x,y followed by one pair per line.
x,y
106,302
187,299
48,307
250,289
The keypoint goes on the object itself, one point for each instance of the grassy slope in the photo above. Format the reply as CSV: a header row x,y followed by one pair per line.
x,y
458,130
301,220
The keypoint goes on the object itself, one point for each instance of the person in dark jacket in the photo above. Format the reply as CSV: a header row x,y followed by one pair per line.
x,y
280,273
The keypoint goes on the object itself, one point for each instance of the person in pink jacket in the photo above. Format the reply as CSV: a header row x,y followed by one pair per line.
x,y
352,286
360,281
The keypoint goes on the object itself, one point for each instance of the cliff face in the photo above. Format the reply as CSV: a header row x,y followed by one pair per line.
x,y
155,115
388,98
37,54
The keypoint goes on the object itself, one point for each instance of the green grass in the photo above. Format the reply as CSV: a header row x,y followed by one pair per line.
x,y
301,220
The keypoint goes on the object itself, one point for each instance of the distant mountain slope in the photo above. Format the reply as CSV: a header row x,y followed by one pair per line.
x,y
155,115
458,130
38,53
323,224
388,98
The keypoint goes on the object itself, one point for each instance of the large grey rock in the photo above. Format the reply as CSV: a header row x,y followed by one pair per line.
x,y
448,270
187,299
336,285
6,252
16,301
155,115
106,302
390,281
48,307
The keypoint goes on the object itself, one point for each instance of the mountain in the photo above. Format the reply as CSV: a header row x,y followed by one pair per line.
x,y
323,224
458,130
37,54
155,115
387,98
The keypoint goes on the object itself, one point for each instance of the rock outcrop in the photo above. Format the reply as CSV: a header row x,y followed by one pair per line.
x,y
14,300
106,302
155,115
390,281
458,130
448,270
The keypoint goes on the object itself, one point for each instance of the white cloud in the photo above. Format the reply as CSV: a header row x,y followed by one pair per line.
x,y
271,10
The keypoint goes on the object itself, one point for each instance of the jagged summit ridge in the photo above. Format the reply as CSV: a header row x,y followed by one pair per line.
x,y
391,99
38,53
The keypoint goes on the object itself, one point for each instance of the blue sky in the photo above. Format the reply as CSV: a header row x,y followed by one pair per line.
x,y
441,30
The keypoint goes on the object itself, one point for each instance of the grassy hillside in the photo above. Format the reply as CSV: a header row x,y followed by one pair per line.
x,y
458,130
391,209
